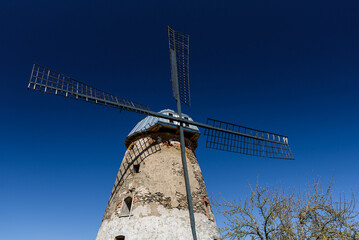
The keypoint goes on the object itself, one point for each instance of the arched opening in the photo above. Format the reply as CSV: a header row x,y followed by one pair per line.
x,y
126,206
207,207
120,237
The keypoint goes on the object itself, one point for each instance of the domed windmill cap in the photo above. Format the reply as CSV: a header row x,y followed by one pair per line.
x,y
152,124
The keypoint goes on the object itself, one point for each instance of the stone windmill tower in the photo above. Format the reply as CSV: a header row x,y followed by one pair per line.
x,y
159,190
148,200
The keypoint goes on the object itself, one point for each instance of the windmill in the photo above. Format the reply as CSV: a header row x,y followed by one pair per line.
x,y
220,135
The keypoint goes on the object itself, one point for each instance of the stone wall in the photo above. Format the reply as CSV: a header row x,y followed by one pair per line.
x,y
159,203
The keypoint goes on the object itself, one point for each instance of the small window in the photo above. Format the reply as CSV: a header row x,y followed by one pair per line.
x,y
136,168
171,115
126,206
121,237
208,209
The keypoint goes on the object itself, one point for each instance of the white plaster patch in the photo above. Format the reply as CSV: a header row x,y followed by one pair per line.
x,y
171,225
142,211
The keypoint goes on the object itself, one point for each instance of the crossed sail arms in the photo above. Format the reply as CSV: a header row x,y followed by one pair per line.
x,y
220,135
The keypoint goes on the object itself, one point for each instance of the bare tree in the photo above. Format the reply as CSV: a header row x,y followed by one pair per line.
x,y
268,213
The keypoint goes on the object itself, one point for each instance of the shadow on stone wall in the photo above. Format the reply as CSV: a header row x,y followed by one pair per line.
x,y
135,154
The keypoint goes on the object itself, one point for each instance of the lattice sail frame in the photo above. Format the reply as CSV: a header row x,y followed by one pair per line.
x,y
46,80
220,135
179,56
256,143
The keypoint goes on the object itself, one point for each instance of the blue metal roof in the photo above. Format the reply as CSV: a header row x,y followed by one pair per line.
x,y
150,121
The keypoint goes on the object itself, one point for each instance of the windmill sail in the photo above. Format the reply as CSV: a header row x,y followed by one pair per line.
x,y
234,138
46,80
220,135
179,56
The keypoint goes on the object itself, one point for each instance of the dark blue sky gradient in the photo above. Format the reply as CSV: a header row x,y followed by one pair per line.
x,y
289,67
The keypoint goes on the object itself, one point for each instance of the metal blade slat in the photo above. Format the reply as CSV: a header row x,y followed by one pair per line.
x,y
179,56
56,83
247,140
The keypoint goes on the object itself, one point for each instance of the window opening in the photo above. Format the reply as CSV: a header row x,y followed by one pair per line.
x,y
121,237
136,168
126,206
208,209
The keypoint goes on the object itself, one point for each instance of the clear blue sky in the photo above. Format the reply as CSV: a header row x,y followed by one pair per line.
x,y
289,67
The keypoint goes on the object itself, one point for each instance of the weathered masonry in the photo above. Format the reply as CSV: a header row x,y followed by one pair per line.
x,y
148,200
